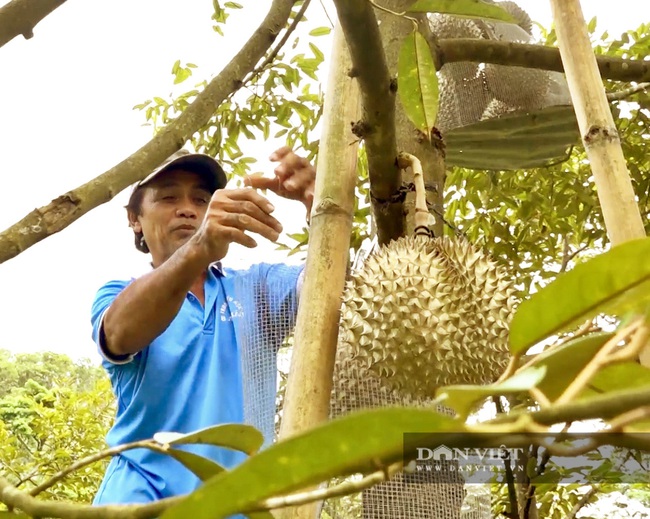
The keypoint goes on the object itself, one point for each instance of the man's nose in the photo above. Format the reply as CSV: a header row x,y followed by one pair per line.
x,y
186,209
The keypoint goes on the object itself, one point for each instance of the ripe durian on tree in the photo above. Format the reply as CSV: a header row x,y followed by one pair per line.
x,y
421,313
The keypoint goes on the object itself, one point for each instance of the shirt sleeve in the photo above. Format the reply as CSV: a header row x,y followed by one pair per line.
x,y
103,300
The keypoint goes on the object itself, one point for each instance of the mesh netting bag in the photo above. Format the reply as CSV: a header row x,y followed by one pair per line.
x,y
421,313
500,117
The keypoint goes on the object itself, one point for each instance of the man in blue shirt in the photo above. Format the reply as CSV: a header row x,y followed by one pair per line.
x,y
176,341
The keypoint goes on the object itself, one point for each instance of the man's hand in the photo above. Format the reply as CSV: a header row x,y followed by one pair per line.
x,y
230,214
294,177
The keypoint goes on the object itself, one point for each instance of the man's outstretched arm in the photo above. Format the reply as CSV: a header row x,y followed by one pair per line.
x,y
145,308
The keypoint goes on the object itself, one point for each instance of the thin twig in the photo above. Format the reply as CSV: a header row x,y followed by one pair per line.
x,y
511,369
583,501
623,420
624,94
601,359
343,489
327,15
385,9
540,397
565,253
510,477
631,352
88,460
276,50
586,328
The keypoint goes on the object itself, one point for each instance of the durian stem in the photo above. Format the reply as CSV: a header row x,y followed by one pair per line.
x,y
309,384
599,134
422,214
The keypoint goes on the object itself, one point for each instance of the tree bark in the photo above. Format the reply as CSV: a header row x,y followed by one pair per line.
x,y
409,139
21,16
61,212
532,56
377,125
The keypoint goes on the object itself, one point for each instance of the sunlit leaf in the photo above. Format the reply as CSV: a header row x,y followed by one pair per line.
x,y
615,282
202,467
464,8
359,442
239,437
565,362
627,375
418,82
463,397
320,31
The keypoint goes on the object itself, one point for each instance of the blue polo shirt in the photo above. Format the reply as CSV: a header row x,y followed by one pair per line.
x,y
213,364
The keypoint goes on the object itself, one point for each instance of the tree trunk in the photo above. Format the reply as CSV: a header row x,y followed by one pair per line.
x,y
431,153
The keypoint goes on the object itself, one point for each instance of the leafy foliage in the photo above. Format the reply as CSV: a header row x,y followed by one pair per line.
x,y
281,99
53,411
543,221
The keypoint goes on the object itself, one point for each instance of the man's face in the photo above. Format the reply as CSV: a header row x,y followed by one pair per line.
x,y
173,207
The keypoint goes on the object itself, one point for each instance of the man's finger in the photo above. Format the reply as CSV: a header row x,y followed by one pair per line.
x,y
234,235
247,223
251,195
246,207
280,153
262,183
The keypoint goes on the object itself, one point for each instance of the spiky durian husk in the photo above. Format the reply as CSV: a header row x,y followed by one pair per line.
x,y
422,313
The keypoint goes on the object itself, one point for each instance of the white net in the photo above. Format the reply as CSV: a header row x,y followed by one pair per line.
x,y
416,275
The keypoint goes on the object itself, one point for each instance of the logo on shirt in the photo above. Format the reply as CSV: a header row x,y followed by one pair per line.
x,y
231,309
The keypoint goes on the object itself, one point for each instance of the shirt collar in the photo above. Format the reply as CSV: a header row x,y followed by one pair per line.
x,y
217,268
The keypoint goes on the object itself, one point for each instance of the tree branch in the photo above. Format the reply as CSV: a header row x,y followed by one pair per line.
x,y
21,16
285,37
15,499
342,489
61,212
532,56
628,92
605,406
89,460
584,500
377,127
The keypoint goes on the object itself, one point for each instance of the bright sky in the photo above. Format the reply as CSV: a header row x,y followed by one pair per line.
x,y
67,116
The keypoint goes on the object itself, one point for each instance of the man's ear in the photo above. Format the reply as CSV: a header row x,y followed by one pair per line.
x,y
134,222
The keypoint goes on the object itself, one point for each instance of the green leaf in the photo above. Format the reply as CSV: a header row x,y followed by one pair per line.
x,y
464,8
615,377
181,75
320,31
239,437
463,397
565,362
317,52
356,443
418,82
615,282
202,467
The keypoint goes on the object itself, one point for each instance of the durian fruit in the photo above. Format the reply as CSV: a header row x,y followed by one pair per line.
x,y
421,313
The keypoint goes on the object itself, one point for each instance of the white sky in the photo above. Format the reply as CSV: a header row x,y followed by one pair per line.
x,y
66,116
